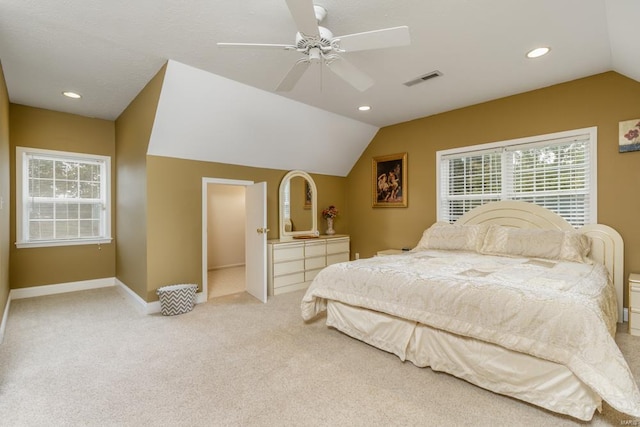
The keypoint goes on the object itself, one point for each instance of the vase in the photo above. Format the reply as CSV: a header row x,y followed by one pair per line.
x,y
330,231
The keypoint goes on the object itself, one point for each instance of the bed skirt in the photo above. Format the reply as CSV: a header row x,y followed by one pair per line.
x,y
543,383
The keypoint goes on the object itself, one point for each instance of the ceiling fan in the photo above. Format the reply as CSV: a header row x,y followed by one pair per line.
x,y
318,45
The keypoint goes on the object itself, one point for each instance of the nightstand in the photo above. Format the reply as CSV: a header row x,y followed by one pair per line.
x,y
400,251
634,304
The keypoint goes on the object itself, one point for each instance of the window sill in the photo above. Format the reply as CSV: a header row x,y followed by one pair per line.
x,y
50,243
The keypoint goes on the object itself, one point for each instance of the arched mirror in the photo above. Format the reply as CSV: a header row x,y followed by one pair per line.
x,y
298,205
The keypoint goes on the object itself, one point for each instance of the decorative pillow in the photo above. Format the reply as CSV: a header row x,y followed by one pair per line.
x,y
576,247
445,236
536,243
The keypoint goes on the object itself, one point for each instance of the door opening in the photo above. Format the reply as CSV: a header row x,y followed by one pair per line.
x,y
233,245
226,212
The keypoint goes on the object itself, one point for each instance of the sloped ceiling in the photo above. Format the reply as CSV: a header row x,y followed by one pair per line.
x,y
202,116
622,23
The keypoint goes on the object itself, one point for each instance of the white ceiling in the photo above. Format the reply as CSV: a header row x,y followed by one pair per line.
x,y
108,50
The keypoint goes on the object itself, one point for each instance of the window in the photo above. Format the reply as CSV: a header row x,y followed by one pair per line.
x,y
557,171
62,198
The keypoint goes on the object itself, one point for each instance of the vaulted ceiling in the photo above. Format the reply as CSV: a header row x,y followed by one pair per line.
x,y
108,51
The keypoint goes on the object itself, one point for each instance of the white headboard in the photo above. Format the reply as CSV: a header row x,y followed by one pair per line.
x,y
607,246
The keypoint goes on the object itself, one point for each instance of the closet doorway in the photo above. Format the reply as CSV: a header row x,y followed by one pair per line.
x,y
234,238
226,212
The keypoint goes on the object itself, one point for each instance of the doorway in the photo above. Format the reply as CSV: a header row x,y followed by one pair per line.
x,y
226,213
234,245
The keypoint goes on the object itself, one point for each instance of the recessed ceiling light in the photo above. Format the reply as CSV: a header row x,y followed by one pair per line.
x,y
70,94
538,52
364,108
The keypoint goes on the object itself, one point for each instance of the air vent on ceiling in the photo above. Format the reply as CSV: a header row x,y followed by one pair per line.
x,y
423,78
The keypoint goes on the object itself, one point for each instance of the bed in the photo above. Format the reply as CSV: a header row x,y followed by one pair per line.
x,y
510,298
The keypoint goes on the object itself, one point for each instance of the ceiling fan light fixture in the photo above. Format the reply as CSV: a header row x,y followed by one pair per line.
x,y
315,55
364,108
538,52
71,94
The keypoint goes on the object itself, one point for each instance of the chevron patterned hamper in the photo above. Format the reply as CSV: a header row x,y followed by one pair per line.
x,y
177,299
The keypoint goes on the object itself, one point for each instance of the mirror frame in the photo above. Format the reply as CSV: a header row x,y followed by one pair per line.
x,y
285,235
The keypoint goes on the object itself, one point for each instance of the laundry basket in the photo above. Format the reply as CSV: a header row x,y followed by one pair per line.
x,y
177,299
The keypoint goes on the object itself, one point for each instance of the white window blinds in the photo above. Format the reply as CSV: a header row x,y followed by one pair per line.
x,y
470,180
556,171
554,174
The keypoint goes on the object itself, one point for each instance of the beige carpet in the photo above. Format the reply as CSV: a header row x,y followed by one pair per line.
x,y
89,358
226,281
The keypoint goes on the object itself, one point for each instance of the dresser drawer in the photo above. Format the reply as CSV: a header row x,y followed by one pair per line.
x,y
294,263
315,249
337,246
634,295
313,263
336,258
288,267
289,279
290,288
309,275
288,252
634,322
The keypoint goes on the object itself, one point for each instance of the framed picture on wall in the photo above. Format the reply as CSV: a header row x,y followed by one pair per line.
x,y
629,135
389,181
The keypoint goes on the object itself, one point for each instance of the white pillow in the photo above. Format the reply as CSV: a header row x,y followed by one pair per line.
x,y
537,243
445,236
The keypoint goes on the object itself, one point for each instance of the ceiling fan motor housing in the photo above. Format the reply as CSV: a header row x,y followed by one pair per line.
x,y
304,42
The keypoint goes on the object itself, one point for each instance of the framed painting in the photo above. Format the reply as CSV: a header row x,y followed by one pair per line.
x,y
389,181
629,136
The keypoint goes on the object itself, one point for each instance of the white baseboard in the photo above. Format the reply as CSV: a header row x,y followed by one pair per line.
x,y
144,306
136,300
37,291
625,314
222,267
5,316
200,297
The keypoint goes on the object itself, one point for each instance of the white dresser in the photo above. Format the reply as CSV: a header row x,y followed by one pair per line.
x,y
292,264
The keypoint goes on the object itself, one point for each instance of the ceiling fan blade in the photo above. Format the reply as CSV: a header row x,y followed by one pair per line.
x,y
304,16
258,45
377,39
292,77
349,73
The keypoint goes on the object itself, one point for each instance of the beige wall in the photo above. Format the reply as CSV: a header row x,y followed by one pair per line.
x,y
226,216
5,243
38,128
174,226
133,131
601,100
158,224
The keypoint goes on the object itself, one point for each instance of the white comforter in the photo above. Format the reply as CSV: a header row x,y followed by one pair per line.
x,y
564,312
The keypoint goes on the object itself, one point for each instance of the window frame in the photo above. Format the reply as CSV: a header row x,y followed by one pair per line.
x,y
537,141
22,195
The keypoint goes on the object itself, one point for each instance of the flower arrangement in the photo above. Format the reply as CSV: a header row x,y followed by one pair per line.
x,y
633,134
330,212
